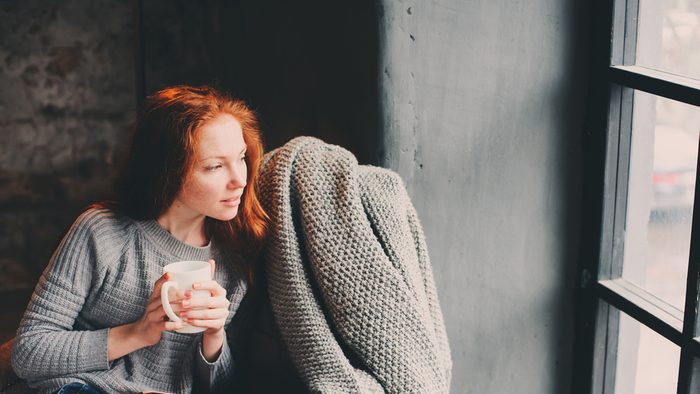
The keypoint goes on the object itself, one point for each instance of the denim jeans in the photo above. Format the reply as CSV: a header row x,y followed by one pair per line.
x,y
78,388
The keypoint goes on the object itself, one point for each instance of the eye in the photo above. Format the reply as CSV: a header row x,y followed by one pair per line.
x,y
242,158
213,167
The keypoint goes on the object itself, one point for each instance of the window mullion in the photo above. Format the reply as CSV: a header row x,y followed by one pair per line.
x,y
626,108
644,311
631,26
607,236
684,372
689,367
624,37
660,83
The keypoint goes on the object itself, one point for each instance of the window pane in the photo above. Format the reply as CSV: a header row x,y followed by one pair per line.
x,y
663,160
668,36
647,363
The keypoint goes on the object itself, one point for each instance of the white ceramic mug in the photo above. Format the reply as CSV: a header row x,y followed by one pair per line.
x,y
182,275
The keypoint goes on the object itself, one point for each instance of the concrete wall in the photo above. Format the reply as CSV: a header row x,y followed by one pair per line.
x,y
482,109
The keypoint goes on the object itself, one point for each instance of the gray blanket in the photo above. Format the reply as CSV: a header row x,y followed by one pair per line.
x,y
349,277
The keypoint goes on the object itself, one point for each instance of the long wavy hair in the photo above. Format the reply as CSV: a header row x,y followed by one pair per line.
x,y
162,155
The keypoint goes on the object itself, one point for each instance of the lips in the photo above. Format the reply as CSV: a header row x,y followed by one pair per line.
x,y
232,201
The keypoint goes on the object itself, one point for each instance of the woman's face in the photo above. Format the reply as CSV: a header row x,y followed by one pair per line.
x,y
219,172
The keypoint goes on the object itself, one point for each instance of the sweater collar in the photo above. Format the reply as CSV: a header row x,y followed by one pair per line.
x,y
172,245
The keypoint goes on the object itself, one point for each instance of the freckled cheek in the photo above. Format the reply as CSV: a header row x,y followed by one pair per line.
x,y
202,190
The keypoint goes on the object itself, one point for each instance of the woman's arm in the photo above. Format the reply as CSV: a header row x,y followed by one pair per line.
x,y
146,331
46,344
121,341
213,373
213,363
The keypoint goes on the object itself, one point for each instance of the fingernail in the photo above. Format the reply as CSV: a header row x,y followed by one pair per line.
x,y
195,285
183,315
185,303
188,294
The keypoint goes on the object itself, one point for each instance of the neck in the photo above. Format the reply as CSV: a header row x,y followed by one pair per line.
x,y
186,228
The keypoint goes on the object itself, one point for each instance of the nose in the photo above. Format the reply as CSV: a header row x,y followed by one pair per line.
x,y
237,178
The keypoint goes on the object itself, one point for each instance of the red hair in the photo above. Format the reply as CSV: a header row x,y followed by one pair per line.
x,y
162,155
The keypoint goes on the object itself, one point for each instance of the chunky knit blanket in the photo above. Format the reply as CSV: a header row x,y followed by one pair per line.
x,y
349,278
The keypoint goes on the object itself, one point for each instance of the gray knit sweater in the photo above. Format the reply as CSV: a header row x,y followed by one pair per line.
x,y
349,277
101,276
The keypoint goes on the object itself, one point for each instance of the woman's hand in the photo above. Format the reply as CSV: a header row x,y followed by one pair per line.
x,y
154,320
210,312
147,330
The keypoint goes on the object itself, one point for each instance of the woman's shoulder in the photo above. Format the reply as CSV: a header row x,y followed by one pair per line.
x,y
103,220
99,234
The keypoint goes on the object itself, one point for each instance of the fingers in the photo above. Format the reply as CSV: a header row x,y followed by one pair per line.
x,y
212,312
208,312
171,325
159,283
213,286
206,303
177,308
204,314
177,296
214,323
155,318
157,314
175,301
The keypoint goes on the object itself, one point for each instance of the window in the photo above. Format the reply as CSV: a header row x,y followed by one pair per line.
x,y
639,324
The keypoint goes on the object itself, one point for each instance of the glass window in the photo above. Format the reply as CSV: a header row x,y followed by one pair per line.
x,y
647,363
668,36
663,160
642,166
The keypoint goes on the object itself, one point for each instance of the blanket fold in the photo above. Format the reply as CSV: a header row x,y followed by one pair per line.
x,y
349,277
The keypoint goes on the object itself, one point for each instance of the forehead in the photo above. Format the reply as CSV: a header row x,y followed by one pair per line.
x,y
220,136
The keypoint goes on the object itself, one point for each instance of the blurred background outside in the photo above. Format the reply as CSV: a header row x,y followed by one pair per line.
x,y
664,150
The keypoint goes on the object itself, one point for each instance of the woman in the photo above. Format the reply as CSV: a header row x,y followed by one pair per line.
x,y
95,320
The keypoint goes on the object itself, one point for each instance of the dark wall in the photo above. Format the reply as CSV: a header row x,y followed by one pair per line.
x,y
71,74
307,67
482,117
66,99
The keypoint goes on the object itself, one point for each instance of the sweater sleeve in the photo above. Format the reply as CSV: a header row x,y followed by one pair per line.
x,y
46,344
213,374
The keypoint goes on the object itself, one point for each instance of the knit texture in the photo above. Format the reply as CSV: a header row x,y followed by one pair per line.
x,y
102,276
349,277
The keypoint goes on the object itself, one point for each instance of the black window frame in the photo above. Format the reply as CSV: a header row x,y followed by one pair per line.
x,y
602,293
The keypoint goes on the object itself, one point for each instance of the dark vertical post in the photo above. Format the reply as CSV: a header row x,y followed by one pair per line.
x,y
686,376
591,314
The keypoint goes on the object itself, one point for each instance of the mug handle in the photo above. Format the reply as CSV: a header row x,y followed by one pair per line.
x,y
166,302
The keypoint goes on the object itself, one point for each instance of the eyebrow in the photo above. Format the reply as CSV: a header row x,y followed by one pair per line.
x,y
245,148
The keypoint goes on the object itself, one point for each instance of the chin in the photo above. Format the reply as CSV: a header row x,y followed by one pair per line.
x,y
224,217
